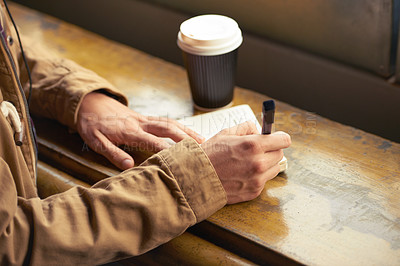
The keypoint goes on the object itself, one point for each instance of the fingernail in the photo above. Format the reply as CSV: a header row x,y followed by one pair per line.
x,y
127,163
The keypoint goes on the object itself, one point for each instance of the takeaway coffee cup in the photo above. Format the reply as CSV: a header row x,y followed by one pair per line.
x,y
209,44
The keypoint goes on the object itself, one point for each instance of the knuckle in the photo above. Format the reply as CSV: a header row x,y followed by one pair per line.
x,y
248,126
251,146
259,166
258,184
252,126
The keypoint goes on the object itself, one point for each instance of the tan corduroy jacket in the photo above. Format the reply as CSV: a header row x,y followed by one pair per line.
x,y
122,216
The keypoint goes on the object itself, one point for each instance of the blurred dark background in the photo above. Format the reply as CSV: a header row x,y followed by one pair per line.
x,y
336,58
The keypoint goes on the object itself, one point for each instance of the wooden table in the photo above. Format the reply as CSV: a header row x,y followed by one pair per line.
x,y
337,204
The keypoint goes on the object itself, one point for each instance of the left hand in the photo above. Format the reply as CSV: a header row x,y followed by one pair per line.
x,y
105,123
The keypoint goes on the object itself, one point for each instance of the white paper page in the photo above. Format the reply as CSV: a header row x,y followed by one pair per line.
x,y
211,123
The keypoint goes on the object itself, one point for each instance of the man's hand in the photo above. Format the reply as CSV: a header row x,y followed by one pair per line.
x,y
105,123
244,160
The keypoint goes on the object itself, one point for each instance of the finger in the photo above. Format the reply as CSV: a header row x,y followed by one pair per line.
x,y
246,128
271,173
102,145
275,141
254,187
183,130
145,141
170,131
199,138
165,129
270,159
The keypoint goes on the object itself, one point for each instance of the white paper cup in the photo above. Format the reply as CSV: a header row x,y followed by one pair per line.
x,y
209,44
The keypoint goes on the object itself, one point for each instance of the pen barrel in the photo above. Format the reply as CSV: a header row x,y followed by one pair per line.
x,y
268,120
266,128
268,116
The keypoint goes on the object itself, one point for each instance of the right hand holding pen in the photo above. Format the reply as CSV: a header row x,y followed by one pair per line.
x,y
244,160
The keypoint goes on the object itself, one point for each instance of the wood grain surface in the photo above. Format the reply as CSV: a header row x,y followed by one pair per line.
x,y
337,204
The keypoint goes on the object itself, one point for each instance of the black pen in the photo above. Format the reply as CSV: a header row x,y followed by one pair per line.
x,y
268,111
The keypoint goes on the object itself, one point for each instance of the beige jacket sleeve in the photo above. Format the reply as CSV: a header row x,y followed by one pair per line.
x,y
58,84
122,216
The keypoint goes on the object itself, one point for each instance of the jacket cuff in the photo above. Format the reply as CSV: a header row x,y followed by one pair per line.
x,y
196,177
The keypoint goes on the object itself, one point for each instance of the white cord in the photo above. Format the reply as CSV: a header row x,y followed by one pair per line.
x,y
8,110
